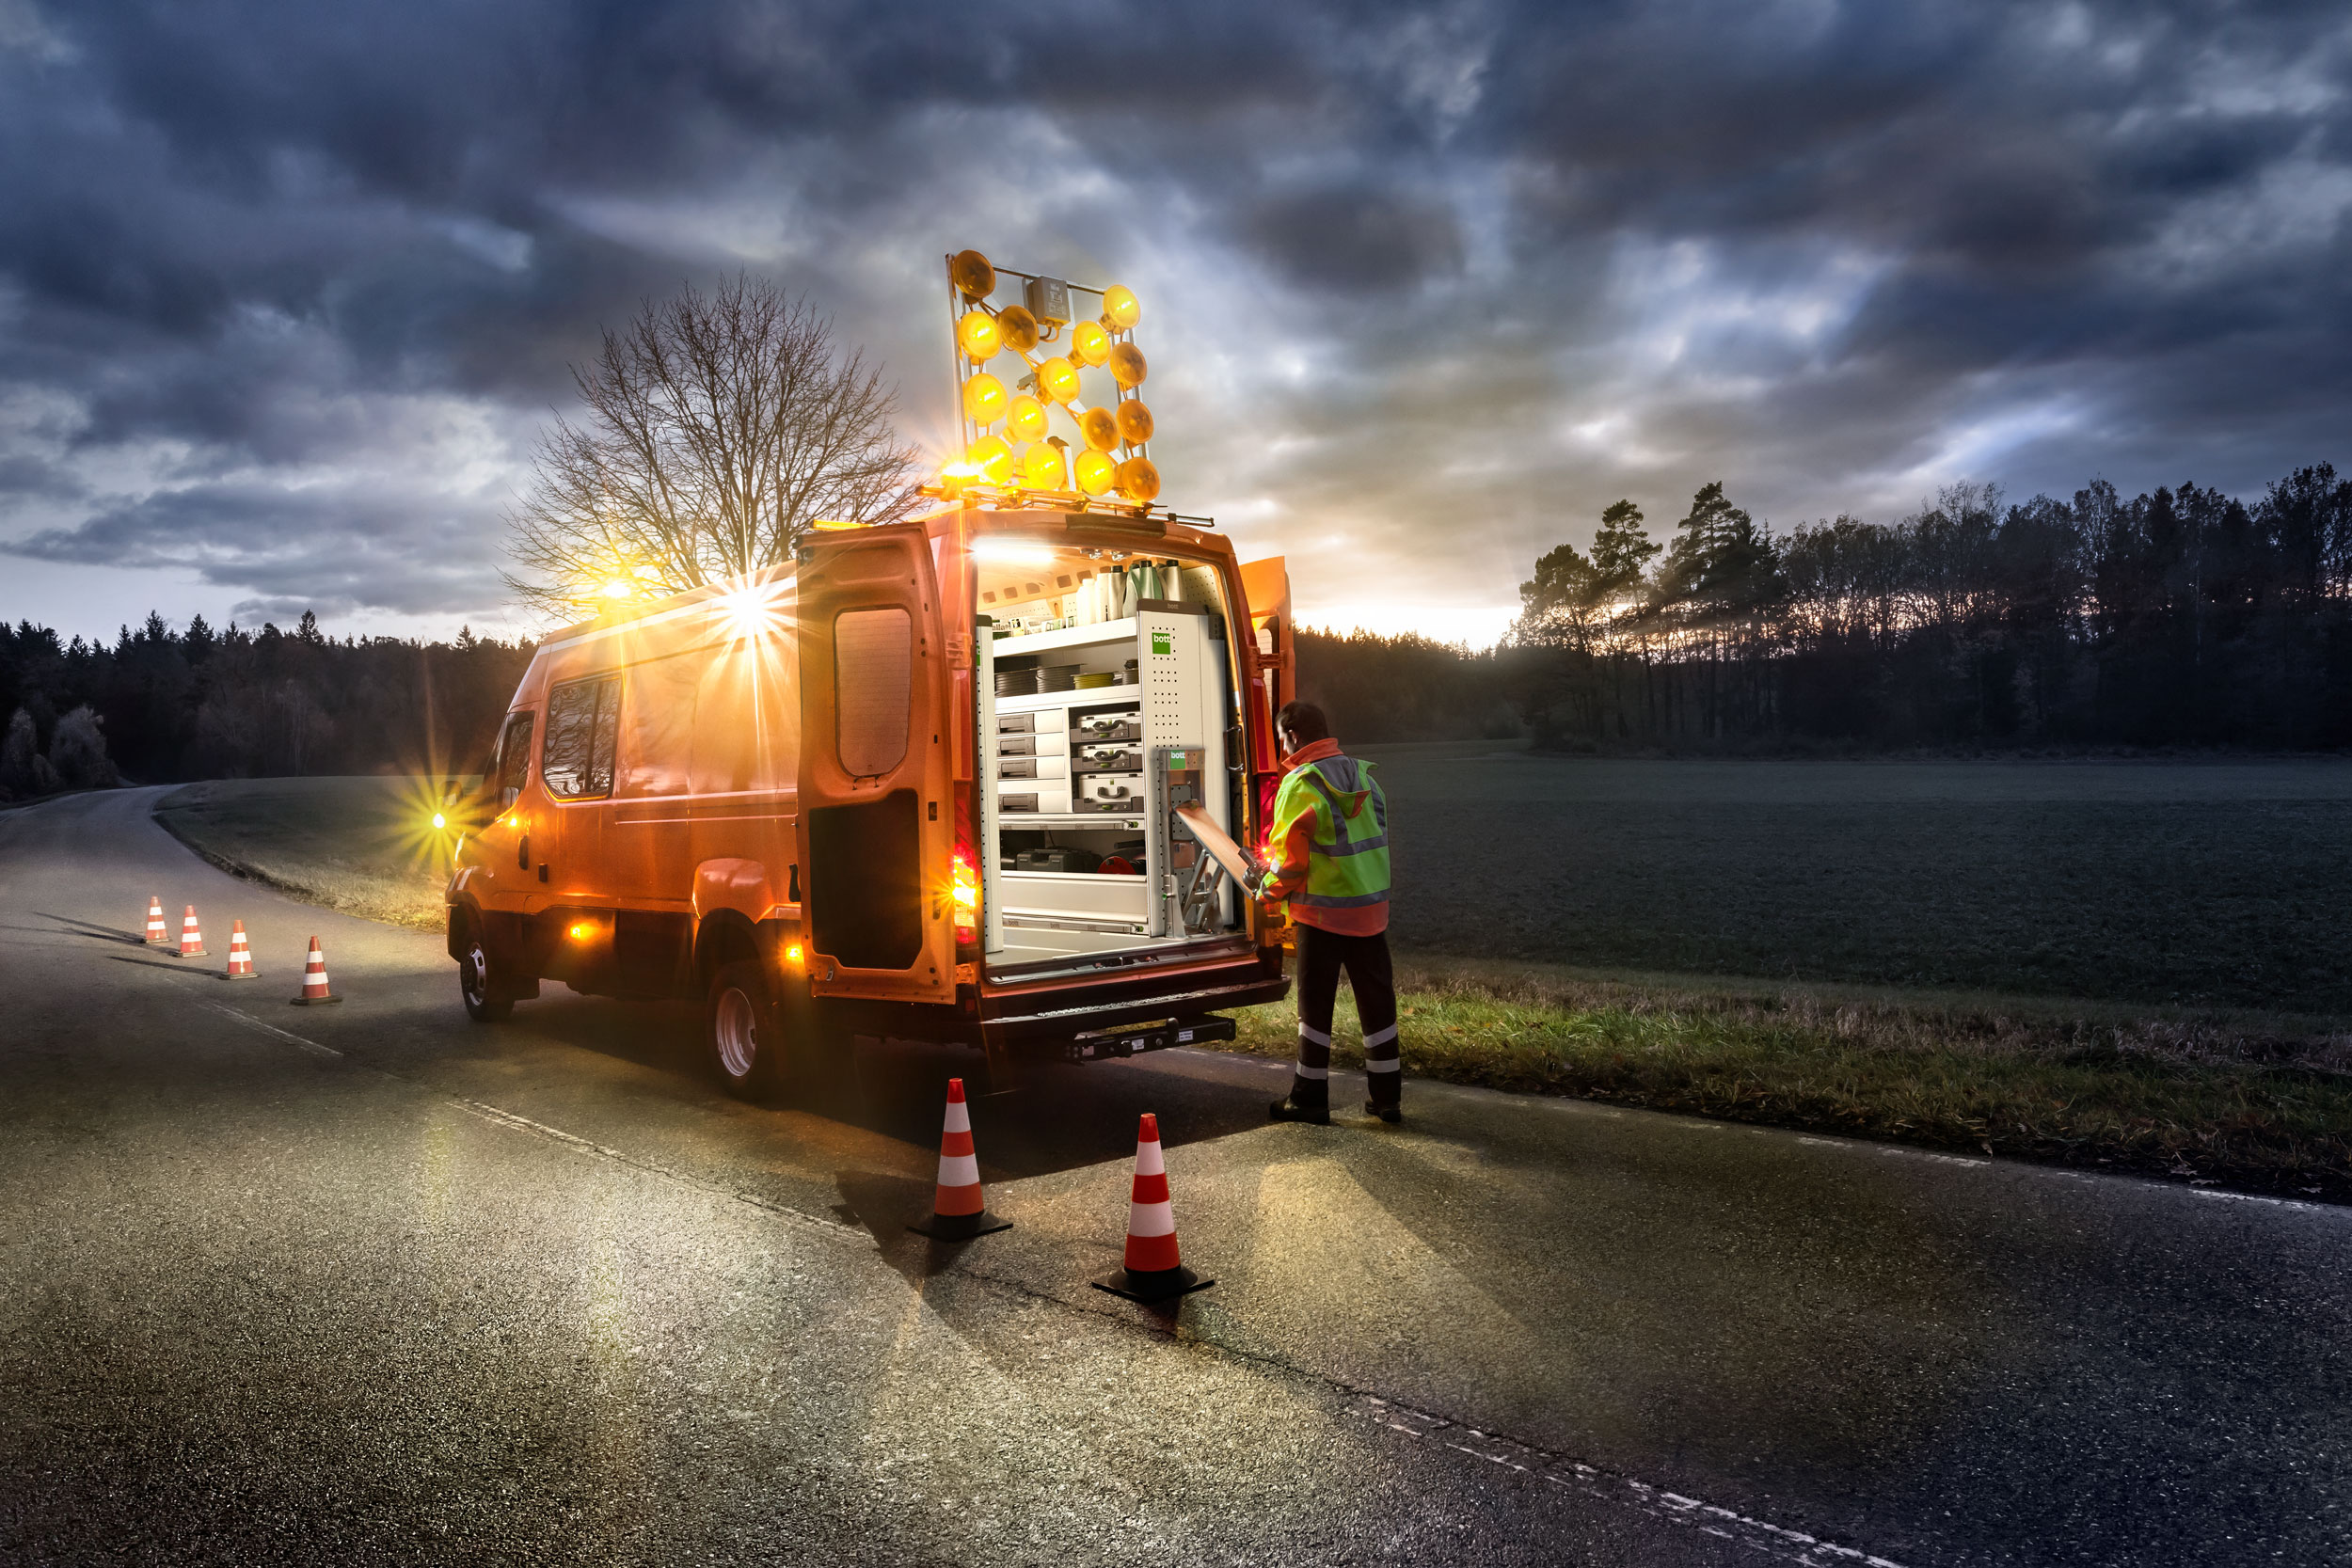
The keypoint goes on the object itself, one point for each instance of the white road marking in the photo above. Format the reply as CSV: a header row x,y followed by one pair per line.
x,y
2257,1197
1771,1540
311,1046
652,1167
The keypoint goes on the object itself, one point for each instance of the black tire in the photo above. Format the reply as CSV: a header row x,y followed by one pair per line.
x,y
743,1033
477,976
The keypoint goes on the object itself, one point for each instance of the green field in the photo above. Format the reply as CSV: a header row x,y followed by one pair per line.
x,y
2128,966
2208,884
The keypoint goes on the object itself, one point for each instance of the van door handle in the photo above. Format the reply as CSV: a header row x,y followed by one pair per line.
x,y
522,853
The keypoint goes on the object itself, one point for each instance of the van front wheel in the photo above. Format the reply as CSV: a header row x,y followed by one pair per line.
x,y
483,1004
741,1029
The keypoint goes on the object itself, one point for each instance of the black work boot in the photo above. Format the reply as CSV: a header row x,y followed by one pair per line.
x,y
1389,1112
1288,1109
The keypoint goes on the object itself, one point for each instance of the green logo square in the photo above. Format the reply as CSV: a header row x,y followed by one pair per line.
x,y
1163,641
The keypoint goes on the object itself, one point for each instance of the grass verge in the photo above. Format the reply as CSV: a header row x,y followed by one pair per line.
x,y
361,845
2210,1101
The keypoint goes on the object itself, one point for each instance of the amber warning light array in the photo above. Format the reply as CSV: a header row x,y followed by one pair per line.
x,y
1030,431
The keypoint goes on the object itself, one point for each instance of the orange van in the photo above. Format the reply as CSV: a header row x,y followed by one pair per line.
x,y
919,784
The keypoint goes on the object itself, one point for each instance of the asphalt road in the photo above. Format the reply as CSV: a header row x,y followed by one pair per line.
x,y
372,1284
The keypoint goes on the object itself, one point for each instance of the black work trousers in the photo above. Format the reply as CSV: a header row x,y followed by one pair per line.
x,y
1321,956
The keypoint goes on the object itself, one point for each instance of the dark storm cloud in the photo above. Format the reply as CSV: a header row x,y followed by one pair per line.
x,y
1467,270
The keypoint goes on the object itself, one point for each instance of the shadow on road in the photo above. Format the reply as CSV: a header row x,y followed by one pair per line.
x,y
1044,1116
72,927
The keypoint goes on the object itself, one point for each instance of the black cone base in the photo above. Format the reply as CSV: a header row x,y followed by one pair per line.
x,y
959,1228
313,1001
1148,1285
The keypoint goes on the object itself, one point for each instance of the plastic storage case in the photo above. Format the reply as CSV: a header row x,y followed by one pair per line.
x,y
1108,792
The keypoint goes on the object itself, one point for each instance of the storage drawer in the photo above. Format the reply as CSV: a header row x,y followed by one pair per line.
x,y
1031,767
1095,757
1016,724
1048,743
1108,792
1016,795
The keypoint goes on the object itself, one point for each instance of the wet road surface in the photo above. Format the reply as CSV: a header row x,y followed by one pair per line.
x,y
374,1283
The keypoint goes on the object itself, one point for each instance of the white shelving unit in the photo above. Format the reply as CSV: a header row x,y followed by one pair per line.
x,y
1069,636
1172,694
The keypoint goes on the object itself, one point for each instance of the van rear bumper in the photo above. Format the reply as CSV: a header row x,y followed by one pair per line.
x,y
1057,1017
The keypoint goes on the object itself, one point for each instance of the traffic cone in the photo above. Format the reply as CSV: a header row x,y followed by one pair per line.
x,y
314,980
958,1212
157,936
240,955
191,939
1153,1273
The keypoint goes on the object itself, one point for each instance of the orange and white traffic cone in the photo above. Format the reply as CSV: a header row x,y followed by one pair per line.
x,y
314,980
1154,1272
240,955
191,939
157,934
959,1212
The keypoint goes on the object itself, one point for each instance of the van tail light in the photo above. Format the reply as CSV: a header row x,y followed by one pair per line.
x,y
964,888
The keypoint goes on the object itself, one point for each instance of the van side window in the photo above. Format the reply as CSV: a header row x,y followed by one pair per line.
x,y
514,763
583,724
873,689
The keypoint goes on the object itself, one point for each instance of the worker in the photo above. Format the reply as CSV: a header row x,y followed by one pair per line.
x,y
1327,862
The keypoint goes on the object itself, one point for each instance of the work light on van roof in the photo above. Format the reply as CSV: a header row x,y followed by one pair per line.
x,y
752,612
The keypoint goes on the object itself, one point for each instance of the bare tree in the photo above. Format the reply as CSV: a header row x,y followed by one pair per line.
x,y
719,428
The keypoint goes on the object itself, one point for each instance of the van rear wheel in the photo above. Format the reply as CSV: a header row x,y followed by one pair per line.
x,y
741,1031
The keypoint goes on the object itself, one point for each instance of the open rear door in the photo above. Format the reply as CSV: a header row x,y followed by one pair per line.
x,y
875,819
1272,666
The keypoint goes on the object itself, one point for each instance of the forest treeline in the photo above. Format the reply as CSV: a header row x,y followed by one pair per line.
x,y
2181,617
160,705
2178,618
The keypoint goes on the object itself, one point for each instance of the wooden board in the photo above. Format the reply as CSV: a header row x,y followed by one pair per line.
x,y
1239,863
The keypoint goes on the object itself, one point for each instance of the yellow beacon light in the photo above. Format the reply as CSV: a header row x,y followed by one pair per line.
x,y
1017,328
1026,420
1099,426
1120,309
1088,343
971,274
1127,366
1137,479
439,820
1057,379
991,458
1096,473
1135,423
984,399
977,335
1041,466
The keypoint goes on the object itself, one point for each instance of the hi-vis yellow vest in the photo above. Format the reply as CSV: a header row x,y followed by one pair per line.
x,y
1348,865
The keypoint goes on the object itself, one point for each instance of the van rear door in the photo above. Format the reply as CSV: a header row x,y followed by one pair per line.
x,y
877,818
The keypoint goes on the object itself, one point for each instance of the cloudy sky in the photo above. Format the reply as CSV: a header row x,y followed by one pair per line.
x,y
288,288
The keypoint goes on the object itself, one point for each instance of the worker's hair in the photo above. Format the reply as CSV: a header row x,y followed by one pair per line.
x,y
1305,721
